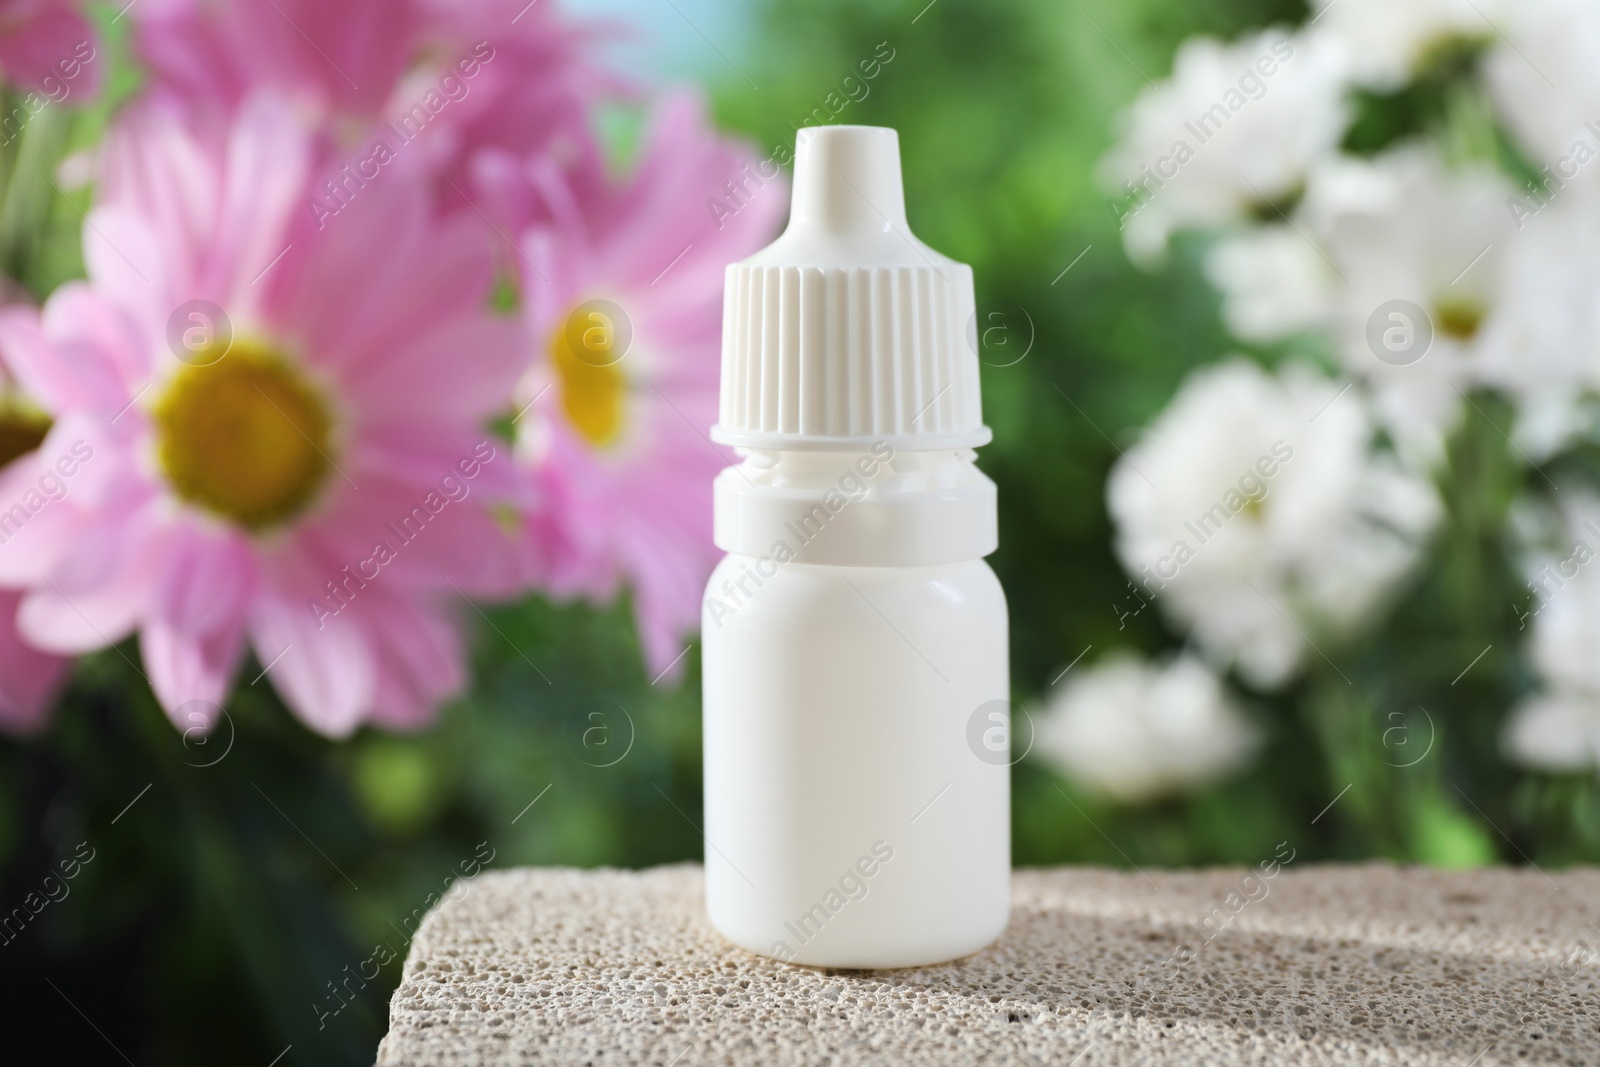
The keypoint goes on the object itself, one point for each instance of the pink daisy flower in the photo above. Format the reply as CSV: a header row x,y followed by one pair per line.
x,y
622,296
48,45
310,478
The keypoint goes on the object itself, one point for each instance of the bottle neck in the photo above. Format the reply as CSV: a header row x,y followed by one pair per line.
x,y
873,507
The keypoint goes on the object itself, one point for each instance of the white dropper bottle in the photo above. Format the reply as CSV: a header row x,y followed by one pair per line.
x,y
857,778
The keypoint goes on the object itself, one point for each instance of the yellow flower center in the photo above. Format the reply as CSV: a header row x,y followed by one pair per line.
x,y
22,428
246,437
594,390
1459,317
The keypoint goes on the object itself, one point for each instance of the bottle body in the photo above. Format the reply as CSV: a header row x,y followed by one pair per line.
x,y
853,818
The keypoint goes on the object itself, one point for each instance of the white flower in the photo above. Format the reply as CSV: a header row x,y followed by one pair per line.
x,y
1544,78
1235,125
1543,348
1408,227
1256,513
1273,281
1563,576
1555,733
1136,731
1559,728
1387,39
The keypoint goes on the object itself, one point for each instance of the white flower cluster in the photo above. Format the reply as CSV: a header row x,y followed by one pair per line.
x,y
1257,515
1501,269
1258,511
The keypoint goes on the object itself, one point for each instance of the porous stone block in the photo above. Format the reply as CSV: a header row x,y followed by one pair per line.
x,y
1318,965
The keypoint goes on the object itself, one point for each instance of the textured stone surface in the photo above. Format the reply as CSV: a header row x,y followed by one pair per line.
x,y
1332,965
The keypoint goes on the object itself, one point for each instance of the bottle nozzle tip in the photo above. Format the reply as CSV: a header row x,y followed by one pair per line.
x,y
847,180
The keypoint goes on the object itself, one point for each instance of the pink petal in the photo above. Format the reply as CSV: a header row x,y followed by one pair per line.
x,y
101,588
264,185
51,42
85,622
189,674
69,355
161,183
207,582
94,459
345,56
29,679
384,274
34,530
326,674
134,266
436,542
420,664
461,370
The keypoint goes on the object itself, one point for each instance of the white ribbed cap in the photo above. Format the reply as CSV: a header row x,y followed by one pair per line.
x,y
848,330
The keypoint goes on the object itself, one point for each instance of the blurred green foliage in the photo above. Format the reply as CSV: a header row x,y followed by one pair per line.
x,y
245,886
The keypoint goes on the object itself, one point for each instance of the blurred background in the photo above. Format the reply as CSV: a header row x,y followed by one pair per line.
x,y
1274,346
